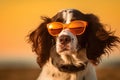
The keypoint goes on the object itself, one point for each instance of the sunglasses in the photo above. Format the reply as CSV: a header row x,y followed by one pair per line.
x,y
77,27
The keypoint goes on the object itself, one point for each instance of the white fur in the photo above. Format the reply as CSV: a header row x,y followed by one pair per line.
x,y
67,15
49,71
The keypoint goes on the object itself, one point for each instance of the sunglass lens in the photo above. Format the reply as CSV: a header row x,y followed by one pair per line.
x,y
77,31
55,28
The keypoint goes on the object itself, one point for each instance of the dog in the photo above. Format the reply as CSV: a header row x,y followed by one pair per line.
x,y
69,44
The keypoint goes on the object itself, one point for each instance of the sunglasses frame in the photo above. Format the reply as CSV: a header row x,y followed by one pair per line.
x,y
64,26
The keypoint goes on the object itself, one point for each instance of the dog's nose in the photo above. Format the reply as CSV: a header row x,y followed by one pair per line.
x,y
64,39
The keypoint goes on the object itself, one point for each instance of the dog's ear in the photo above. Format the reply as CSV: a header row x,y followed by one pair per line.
x,y
41,42
99,41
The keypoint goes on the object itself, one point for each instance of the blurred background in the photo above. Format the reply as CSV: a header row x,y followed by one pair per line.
x,y
19,17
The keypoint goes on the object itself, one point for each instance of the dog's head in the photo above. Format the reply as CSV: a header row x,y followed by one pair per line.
x,y
73,36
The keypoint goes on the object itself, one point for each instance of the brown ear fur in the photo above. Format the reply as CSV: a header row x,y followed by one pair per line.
x,y
99,41
41,42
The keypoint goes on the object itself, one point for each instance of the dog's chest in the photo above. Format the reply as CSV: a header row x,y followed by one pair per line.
x,y
49,72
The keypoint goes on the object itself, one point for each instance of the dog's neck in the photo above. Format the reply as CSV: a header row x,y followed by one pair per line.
x,y
50,72
69,63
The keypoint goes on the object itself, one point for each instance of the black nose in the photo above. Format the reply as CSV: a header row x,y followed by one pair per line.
x,y
64,39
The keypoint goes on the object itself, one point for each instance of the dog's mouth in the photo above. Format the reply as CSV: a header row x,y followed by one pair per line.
x,y
70,68
64,48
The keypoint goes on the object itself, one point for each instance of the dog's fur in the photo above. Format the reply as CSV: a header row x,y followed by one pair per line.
x,y
74,59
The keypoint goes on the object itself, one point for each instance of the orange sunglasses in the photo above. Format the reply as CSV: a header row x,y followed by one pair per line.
x,y
77,27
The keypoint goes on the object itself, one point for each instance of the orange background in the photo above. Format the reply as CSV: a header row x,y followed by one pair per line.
x,y
19,17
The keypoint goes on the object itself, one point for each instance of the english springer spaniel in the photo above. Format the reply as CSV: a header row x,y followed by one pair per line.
x,y
69,44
